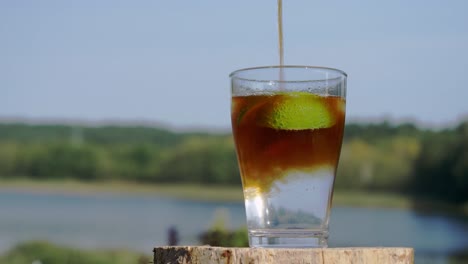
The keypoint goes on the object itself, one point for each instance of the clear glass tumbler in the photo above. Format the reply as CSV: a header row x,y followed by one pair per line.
x,y
288,124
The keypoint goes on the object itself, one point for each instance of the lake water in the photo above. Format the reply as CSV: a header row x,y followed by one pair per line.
x,y
140,222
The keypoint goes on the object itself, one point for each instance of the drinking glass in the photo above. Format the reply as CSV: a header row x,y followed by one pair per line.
x,y
287,123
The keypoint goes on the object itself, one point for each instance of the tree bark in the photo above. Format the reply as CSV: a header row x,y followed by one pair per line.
x,y
212,255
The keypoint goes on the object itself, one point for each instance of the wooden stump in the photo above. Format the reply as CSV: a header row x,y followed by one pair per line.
x,y
212,255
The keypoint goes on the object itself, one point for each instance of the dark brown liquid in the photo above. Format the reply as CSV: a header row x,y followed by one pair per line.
x,y
265,154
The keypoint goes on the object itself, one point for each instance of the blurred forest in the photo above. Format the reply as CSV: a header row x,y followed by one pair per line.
x,y
383,157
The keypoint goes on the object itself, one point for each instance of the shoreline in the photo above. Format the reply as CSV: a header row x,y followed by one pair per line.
x,y
216,193
170,190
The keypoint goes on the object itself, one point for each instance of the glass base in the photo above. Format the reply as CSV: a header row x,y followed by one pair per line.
x,y
286,238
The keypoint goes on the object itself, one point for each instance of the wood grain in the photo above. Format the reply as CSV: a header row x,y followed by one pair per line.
x,y
212,255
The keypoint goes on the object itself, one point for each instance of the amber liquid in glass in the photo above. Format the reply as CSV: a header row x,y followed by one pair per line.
x,y
280,167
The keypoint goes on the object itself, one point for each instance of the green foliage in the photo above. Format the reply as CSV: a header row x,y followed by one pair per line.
x,y
225,238
375,157
376,131
202,160
47,253
219,235
385,164
123,153
441,171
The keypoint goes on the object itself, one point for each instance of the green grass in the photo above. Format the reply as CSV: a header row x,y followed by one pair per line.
x,y
366,199
394,200
47,253
182,191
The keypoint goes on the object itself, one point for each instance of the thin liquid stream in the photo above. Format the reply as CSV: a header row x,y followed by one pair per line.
x,y
280,32
280,39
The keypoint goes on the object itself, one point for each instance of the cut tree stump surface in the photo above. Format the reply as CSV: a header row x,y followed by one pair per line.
x,y
212,255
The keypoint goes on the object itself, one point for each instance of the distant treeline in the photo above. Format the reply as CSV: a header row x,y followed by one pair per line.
x,y
377,157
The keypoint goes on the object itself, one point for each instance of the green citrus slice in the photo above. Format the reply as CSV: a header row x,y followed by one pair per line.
x,y
296,111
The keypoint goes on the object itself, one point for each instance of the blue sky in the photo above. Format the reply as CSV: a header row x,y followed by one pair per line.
x,y
169,61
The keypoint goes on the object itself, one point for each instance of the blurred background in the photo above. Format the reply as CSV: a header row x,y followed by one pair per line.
x,y
115,125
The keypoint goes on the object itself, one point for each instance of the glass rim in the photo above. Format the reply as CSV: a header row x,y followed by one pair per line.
x,y
232,75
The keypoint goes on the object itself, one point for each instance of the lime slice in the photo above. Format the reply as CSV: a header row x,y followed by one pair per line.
x,y
296,111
